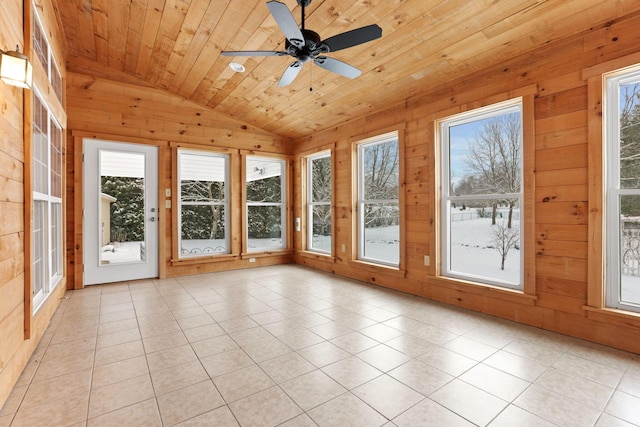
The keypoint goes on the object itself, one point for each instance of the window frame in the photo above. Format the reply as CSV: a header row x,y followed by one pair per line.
x,y
284,214
226,203
360,201
443,126
42,249
51,67
611,83
311,203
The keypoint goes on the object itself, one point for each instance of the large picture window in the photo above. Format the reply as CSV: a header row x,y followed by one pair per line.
x,y
378,200
266,203
47,202
319,203
203,204
622,139
481,204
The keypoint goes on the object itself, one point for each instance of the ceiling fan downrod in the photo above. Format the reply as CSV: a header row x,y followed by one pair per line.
x,y
303,4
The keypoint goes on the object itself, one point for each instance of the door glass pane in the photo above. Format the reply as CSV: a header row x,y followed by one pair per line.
x,y
630,249
122,210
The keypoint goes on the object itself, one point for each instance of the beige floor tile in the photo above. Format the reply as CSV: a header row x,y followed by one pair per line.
x,y
14,400
498,383
164,342
410,345
202,333
237,324
117,326
577,388
176,377
421,377
170,357
521,367
300,338
215,345
383,357
469,402
139,414
159,328
71,347
286,367
58,412
323,354
224,363
351,372
5,420
270,407
312,389
607,420
242,383
624,406
346,410
491,337
180,405
514,416
115,338
267,349
299,421
469,348
54,367
195,321
381,332
556,408
434,335
64,387
601,374
115,353
542,353
388,396
330,330
448,361
630,384
354,342
221,417
119,395
432,413
119,371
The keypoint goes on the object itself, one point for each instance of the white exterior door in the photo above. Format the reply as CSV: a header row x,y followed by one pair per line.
x,y
120,207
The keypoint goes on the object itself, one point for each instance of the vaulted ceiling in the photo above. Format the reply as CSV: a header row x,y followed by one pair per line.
x,y
176,45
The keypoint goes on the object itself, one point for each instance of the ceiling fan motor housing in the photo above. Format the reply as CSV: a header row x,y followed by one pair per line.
x,y
313,47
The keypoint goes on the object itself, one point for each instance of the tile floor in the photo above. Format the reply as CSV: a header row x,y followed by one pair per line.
x,y
291,346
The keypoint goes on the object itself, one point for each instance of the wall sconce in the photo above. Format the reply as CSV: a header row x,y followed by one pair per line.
x,y
15,69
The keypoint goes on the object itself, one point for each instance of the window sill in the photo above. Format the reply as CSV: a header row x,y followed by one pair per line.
x,y
317,255
204,259
483,289
263,254
614,316
379,268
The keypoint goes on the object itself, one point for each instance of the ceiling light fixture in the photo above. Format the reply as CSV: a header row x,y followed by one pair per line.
x,y
15,69
238,68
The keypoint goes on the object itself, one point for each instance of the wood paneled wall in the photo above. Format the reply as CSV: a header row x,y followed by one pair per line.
x,y
558,257
101,108
20,330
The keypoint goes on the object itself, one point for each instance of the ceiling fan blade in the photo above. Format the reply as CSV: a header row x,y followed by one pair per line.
x,y
338,67
253,53
286,22
353,37
290,73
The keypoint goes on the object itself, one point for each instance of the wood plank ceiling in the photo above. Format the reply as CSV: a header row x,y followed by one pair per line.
x,y
176,45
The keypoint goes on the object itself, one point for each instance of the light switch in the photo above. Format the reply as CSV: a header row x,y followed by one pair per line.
x,y
167,192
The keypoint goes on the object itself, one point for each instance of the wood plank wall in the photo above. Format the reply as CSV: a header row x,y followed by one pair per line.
x,y
101,108
20,330
560,196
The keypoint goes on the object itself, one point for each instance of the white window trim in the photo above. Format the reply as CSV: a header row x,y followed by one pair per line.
x,y
225,204
311,203
52,65
493,110
52,279
378,140
611,136
282,205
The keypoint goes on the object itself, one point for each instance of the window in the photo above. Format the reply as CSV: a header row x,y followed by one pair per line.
x,y
622,139
45,55
47,202
266,204
319,203
481,166
203,206
378,200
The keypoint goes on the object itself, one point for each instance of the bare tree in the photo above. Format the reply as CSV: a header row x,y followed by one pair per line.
x,y
504,238
494,157
205,191
381,182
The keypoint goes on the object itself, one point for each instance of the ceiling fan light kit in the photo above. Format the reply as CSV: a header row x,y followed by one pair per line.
x,y
306,45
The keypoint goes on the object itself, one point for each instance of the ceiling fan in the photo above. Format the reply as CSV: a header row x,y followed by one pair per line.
x,y
305,45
